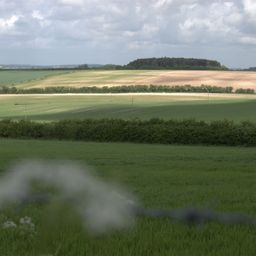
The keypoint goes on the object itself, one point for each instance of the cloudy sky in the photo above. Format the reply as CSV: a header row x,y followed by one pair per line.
x,y
117,31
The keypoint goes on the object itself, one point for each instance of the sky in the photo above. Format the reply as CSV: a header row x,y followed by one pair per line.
x,y
44,32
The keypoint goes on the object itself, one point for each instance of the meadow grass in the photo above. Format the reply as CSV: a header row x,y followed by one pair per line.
x,y
221,178
50,107
17,77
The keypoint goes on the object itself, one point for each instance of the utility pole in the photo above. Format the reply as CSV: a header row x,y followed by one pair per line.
x,y
25,109
208,94
26,114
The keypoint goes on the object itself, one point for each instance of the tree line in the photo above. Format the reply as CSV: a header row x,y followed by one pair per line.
x,y
175,63
146,63
188,132
127,89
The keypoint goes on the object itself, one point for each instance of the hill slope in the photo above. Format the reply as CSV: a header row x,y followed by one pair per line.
x,y
100,78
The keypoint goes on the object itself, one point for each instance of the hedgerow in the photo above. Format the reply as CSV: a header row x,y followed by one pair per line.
x,y
159,131
126,89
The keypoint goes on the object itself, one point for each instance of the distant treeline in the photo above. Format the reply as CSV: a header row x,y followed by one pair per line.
x,y
166,63
251,69
80,67
189,132
175,63
126,89
148,63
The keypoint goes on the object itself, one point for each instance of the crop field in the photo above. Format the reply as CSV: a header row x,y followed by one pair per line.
x,y
169,106
236,79
219,178
170,177
16,77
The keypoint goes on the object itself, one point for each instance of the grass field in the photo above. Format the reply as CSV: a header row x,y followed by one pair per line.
x,y
161,176
235,79
179,106
14,78
169,177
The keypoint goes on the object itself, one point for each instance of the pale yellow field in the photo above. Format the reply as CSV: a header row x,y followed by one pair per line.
x,y
236,79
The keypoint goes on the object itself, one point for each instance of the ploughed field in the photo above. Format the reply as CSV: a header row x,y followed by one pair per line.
x,y
170,177
30,79
169,106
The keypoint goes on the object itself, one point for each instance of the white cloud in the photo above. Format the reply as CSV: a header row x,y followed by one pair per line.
x,y
72,2
217,22
162,3
248,40
126,24
37,15
8,23
250,8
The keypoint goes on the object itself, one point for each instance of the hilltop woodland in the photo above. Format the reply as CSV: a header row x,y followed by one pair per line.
x,y
175,63
164,63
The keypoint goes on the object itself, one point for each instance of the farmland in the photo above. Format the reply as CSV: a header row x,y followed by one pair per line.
x,y
169,177
170,106
15,77
127,128
236,79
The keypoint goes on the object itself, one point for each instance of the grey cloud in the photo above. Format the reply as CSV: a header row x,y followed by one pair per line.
x,y
127,27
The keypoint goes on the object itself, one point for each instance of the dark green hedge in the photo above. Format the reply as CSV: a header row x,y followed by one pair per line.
x,y
152,131
126,89
245,91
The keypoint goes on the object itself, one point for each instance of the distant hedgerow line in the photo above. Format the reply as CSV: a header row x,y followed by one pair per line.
x,y
155,131
127,89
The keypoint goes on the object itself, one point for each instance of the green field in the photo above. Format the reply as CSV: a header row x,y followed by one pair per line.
x,y
18,77
219,178
48,108
161,176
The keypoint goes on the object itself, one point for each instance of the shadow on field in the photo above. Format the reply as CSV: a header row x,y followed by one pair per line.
x,y
236,111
